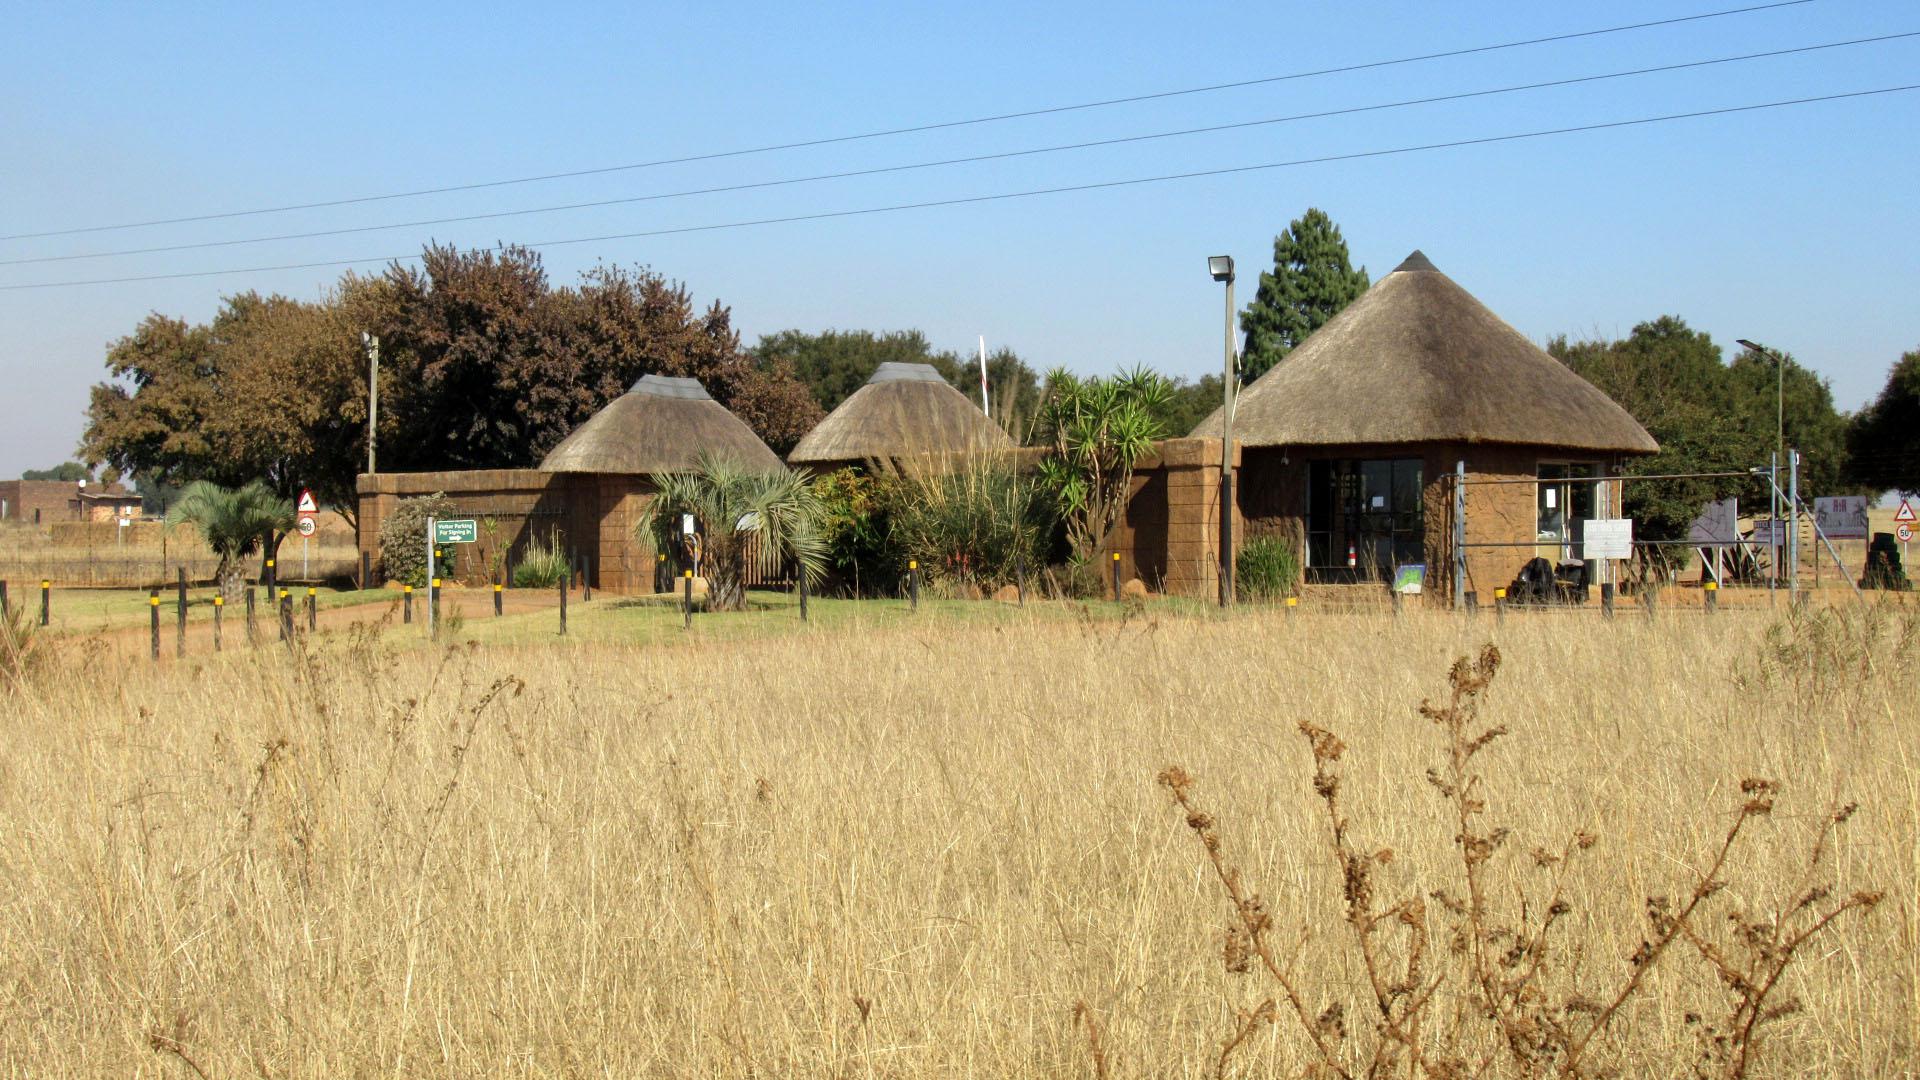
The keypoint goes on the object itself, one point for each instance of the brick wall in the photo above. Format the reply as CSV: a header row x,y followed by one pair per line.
x,y
592,517
1169,534
58,500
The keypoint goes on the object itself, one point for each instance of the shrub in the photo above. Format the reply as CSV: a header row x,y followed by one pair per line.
x,y
403,539
543,565
1267,568
856,525
974,525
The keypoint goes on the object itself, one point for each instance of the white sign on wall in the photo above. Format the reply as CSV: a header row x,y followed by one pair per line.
x,y
1608,538
1842,517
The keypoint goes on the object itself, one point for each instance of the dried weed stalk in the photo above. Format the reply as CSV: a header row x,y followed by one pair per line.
x,y
1513,1005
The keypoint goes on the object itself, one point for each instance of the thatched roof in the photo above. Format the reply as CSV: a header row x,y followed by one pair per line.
x,y
904,410
662,425
1418,359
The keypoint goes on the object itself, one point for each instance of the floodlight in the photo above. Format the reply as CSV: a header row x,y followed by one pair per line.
x,y
1221,267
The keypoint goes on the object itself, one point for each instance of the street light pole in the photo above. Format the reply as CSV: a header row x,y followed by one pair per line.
x,y
373,393
1221,268
1779,452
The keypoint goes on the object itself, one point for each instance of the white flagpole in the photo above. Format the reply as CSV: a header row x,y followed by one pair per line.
x,y
984,407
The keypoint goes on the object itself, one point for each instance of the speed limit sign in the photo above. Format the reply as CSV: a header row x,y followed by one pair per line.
x,y
306,525
1904,533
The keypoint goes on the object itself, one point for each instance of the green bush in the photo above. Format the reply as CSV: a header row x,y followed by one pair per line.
x,y
543,565
1268,568
403,539
862,554
975,525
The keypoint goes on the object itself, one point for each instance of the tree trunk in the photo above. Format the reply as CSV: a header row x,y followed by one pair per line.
x,y
232,577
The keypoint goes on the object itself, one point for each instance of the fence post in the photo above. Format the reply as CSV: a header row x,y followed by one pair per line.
x,y
1499,605
801,575
5,609
1394,594
913,585
46,601
497,606
252,637
686,604
1020,579
1459,534
153,606
219,606
286,616
406,605
180,640
433,607
273,580
563,607
313,609
586,579
1116,577
1606,599
1647,597
1712,590
660,572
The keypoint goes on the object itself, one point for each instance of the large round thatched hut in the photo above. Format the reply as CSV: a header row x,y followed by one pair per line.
x,y
905,411
590,492
1350,446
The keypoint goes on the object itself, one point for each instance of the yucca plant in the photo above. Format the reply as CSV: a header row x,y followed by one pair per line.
x,y
234,522
747,520
543,565
1095,429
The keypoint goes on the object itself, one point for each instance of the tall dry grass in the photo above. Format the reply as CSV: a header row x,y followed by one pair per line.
x,y
936,850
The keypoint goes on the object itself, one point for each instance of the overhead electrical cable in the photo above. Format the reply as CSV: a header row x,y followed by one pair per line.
x,y
1000,196
971,159
916,128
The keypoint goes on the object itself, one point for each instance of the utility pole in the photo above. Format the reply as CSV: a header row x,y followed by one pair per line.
x,y
1220,267
373,394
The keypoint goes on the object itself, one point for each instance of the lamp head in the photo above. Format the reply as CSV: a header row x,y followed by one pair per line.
x,y
1221,267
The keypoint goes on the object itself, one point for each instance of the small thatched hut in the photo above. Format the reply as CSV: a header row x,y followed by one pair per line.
x,y
662,425
904,411
591,491
1350,445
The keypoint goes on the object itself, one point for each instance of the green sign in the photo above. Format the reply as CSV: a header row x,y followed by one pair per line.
x,y
456,531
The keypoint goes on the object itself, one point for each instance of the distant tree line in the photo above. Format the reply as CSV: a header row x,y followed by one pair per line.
x,y
487,364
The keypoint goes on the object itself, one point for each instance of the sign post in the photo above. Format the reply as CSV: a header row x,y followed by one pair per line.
x,y
450,531
304,511
1903,520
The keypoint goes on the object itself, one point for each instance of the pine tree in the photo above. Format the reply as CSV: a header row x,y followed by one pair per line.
x,y
1312,279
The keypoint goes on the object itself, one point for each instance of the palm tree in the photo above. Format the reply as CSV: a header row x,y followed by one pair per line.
x,y
745,518
233,522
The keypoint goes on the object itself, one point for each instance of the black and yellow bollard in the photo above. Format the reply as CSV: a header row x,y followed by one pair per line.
x,y
1293,604
913,585
46,601
153,606
433,607
313,609
253,637
1116,577
498,607
286,616
406,604
1711,590
1500,605
563,607
219,608
686,605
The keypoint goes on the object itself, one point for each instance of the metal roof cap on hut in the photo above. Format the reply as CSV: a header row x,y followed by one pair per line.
x,y
902,411
662,425
1417,359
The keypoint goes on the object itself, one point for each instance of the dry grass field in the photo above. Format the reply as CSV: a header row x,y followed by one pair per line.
x,y
939,848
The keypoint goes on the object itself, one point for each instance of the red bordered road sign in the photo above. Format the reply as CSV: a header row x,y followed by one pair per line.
x,y
1905,514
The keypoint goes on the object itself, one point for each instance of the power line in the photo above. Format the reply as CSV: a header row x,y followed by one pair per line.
x,y
890,132
1003,155
1001,196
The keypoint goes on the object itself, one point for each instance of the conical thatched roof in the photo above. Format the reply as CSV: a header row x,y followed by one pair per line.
x,y
1418,359
662,425
904,410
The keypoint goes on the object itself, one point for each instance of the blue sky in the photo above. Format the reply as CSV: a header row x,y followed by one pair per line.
x,y
1790,226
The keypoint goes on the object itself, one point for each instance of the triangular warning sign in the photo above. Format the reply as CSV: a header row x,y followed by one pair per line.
x,y
307,505
1904,515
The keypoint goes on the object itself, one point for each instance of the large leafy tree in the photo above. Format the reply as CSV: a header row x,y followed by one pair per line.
x,y
1709,417
1312,279
483,364
69,471
1884,438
